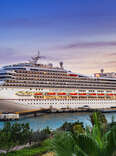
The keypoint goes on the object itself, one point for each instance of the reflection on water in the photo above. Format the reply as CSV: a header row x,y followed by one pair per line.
x,y
55,120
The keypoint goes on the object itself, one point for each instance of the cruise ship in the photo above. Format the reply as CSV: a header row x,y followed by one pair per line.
x,y
34,85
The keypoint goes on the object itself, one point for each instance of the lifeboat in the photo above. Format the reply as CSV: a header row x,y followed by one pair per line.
x,y
101,94
62,93
73,93
82,94
51,93
74,75
110,94
38,94
92,94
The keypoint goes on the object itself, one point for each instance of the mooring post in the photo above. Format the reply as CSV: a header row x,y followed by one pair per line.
x,y
35,114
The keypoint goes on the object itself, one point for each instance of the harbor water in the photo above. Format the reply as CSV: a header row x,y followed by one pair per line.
x,y
55,120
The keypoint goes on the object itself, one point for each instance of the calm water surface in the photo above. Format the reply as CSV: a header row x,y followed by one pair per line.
x,y
55,120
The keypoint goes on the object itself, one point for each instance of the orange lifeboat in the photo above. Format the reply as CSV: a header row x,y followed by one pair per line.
x,y
101,94
38,94
82,94
110,94
93,94
62,93
51,93
73,93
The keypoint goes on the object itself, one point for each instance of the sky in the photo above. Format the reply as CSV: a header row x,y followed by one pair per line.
x,y
81,33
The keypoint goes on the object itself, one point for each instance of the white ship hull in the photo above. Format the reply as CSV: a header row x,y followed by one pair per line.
x,y
12,102
43,104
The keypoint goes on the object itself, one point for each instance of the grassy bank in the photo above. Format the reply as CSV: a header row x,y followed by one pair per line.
x,y
32,151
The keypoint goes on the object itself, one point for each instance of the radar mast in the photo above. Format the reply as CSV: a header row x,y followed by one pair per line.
x,y
35,59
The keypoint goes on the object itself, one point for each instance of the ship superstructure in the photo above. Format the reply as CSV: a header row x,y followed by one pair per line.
x,y
43,86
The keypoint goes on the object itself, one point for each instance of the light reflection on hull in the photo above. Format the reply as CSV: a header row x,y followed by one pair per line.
x,y
10,106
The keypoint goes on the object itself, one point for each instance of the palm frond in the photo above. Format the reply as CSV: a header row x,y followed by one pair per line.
x,y
110,137
63,144
88,145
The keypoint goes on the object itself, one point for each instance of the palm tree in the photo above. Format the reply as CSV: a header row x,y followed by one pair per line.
x,y
63,144
93,142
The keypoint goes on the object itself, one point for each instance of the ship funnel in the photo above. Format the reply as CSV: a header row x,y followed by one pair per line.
x,y
61,64
102,70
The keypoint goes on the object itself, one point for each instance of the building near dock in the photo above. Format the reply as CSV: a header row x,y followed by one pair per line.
x,y
41,86
7,116
102,74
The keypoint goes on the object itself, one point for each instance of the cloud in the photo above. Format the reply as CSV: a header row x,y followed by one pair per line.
x,y
6,52
82,45
112,54
10,55
111,62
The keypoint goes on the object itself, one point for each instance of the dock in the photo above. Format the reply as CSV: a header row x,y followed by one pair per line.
x,y
37,112
8,116
32,113
5,116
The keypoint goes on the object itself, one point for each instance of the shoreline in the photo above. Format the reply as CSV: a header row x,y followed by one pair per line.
x,y
38,113
55,120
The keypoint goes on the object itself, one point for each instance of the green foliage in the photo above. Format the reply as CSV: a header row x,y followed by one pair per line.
x,y
110,137
27,152
67,126
71,139
32,151
113,123
87,144
63,144
95,141
21,133
76,127
39,136
98,118
16,134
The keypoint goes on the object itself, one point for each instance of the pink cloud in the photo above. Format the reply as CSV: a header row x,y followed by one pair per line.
x,y
87,45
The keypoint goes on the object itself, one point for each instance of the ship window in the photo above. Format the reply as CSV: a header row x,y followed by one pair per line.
x,y
91,90
101,91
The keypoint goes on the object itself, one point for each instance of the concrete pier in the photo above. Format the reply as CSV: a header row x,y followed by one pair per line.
x,y
18,113
39,112
8,116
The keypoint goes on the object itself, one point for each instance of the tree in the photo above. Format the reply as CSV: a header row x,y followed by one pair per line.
x,y
72,127
67,126
39,136
6,141
78,128
99,119
63,144
16,134
94,142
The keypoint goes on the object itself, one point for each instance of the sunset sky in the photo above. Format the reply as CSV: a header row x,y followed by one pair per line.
x,y
81,33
